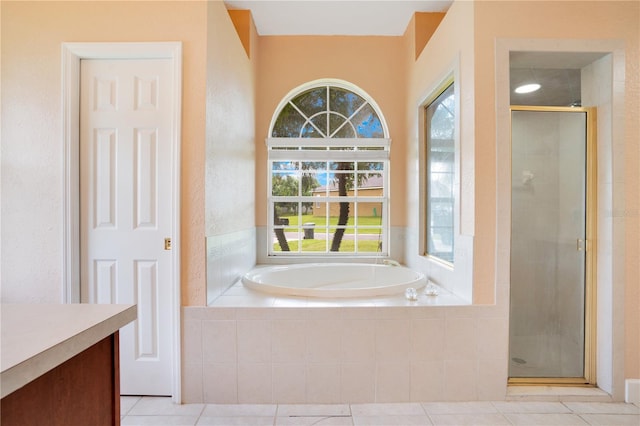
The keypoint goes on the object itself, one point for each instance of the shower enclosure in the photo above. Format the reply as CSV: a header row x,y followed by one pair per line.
x,y
552,196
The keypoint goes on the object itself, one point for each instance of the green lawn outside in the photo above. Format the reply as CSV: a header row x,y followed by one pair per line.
x,y
346,246
321,222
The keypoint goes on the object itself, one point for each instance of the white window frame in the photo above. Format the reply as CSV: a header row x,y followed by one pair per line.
x,y
445,85
359,150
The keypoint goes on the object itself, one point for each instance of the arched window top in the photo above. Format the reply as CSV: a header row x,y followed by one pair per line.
x,y
328,109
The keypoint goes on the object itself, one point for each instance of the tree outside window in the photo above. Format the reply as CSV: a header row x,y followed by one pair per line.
x,y
328,161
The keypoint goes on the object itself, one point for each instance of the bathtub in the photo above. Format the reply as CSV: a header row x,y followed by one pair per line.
x,y
332,280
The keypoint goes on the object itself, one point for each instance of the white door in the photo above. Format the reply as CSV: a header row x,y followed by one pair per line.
x,y
126,208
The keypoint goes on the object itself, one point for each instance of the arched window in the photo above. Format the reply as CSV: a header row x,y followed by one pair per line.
x,y
328,155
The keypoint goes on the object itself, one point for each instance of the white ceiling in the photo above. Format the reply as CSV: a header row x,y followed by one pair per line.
x,y
559,73
335,17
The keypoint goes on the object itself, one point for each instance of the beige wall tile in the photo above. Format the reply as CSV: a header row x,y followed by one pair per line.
x,y
324,343
323,383
288,341
392,340
254,341
358,382
220,383
358,341
254,383
219,342
392,382
427,381
289,383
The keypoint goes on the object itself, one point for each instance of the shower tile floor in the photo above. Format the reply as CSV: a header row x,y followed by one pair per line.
x,y
158,411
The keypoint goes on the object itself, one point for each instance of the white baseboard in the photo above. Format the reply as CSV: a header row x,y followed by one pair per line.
x,y
632,391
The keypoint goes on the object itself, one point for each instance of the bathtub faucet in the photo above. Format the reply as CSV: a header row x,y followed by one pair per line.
x,y
391,262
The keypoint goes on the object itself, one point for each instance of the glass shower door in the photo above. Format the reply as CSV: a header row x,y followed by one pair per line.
x,y
548,243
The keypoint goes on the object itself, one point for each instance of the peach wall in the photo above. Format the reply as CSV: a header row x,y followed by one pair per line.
x,y
544,20
229,153
230,127
468,34
244,26
425,25
375,64
32,146
450,51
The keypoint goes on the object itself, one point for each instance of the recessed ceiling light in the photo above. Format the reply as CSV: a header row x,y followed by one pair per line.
x,y
527,88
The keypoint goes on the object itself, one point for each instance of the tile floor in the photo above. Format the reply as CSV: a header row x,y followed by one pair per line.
x,y
158,411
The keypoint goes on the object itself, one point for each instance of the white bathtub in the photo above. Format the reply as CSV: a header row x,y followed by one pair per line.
x,y
333,280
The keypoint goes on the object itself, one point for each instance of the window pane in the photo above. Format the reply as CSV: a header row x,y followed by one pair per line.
x,y
341,165
373,165
346,208
319,206
367,123
314,165
288,123
367,245
282,241
370,185
341,181
442,122
320,121
312,101
284,185
306,222
284,210
440,132
369,226
321,184
345,131
314,237
369,216
339,123
343,101
309,182
308,131
285,165
441,185
347,244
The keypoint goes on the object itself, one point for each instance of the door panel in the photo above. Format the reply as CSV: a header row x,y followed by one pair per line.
x,y
548,230
125,163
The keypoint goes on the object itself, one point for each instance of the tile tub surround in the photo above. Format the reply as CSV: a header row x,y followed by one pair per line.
x,y
240,296
353,354
160,411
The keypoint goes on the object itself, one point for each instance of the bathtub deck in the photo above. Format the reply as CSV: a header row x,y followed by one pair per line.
x,y
240,296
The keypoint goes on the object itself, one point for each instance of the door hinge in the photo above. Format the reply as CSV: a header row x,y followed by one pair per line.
x,y
581,245
167,243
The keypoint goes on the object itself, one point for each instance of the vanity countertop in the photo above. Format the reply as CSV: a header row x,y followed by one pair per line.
x,y
38,337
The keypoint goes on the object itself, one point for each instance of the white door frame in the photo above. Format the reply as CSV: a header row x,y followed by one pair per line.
x,y
72,54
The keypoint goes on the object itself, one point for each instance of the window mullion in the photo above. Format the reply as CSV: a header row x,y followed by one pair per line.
x,y
348,119
328,114
307,120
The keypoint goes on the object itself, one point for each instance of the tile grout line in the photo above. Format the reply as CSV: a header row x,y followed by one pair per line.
x,y
275,414
204,406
